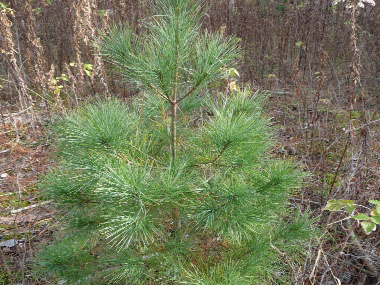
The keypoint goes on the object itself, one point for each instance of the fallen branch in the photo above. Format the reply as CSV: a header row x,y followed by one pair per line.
x,y
30,207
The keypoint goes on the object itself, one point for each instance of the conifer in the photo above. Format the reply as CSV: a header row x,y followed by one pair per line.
x,y
177,187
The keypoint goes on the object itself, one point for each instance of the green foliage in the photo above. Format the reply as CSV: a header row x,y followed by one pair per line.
x,y
377,203
213,214
87,68
368,223
119,189
67,259
336,205
173,53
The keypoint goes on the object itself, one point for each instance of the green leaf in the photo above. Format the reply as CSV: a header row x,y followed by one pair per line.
x,y
334,205
347,202
350,209
299,44
272,76
101,13
375,219
377,207
361,217
37,10
368,227
64,77
87,66
3,6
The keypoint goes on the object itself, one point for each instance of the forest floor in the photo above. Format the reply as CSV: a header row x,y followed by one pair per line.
x,y
27,222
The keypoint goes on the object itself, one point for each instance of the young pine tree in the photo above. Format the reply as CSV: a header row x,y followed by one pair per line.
x,y
178,187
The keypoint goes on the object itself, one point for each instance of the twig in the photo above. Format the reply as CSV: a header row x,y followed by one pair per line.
x,y
30,207
218,156
279,92
18,180
315,265
340,163
9,116
337,280
159,93
339,221
275,248
355,266
336,257
14,123
304,267
193,88
363,126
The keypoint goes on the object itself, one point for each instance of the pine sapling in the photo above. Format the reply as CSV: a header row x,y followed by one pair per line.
x,y
177,187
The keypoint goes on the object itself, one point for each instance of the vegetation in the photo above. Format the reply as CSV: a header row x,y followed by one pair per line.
x,y
317,62
178,187
368,223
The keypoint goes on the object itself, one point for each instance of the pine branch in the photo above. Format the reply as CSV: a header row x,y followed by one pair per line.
x,y
166,98
193,88
216,157
219,155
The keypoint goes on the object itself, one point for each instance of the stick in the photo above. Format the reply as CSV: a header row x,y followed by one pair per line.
x,y
30,207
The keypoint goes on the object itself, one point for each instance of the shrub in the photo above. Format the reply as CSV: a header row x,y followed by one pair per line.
x,y
178,187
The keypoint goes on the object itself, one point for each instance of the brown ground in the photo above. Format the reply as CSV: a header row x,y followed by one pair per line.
x,y
24,218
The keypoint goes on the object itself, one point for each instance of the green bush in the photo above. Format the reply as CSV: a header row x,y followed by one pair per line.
x,y
177,187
